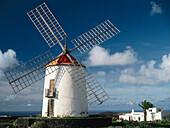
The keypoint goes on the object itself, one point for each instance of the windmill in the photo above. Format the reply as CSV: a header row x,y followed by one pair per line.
x,y
69,85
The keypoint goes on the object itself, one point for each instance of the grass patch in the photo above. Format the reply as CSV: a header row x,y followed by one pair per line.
x,y
141,124
32,117
58,117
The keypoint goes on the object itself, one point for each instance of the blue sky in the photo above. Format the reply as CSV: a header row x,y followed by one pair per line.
x,y
132,67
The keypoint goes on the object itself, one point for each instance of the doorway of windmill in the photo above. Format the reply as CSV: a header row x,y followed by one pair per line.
x,y
50,107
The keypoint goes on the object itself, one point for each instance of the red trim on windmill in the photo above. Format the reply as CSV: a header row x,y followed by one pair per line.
x,y
64,59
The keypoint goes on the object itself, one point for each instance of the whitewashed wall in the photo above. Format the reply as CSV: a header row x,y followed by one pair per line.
x,y
70,101
152,114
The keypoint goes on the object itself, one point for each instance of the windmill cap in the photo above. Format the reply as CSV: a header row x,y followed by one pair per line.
x,y
64,60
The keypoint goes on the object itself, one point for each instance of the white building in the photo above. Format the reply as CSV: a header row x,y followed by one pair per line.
x,y
62,98
152,114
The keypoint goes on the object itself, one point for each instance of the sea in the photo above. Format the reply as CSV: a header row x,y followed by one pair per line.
x,y
34,113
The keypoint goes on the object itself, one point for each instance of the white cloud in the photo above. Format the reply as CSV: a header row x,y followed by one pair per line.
x,y
165,62
100,56
8,59
156,9
9,101
31,95
131,95
10,97
148,74
1,73
134,92
112,72
29,105
130,103
100,73
135,78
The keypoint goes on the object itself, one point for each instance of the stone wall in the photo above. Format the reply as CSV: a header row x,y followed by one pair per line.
x,y
67,123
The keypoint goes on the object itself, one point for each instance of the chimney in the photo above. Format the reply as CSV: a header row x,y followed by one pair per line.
x,y
132,110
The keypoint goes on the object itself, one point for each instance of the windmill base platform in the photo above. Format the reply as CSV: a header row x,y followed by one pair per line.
x,y
67,123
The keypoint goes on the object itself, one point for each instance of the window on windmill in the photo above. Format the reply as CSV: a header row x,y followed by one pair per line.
x,y
52,88
52,83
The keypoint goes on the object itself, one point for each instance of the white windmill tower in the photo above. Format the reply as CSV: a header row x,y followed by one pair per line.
x,y
69,85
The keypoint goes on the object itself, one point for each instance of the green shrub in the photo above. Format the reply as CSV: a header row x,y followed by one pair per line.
x,y
39,115
143,124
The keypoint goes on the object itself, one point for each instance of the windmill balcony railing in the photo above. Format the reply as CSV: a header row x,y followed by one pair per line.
x,y
50,93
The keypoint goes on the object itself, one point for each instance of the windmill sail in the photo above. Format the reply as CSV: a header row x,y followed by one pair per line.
x,y
47,25
95,36
93,92
29,72
60,74
32,71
